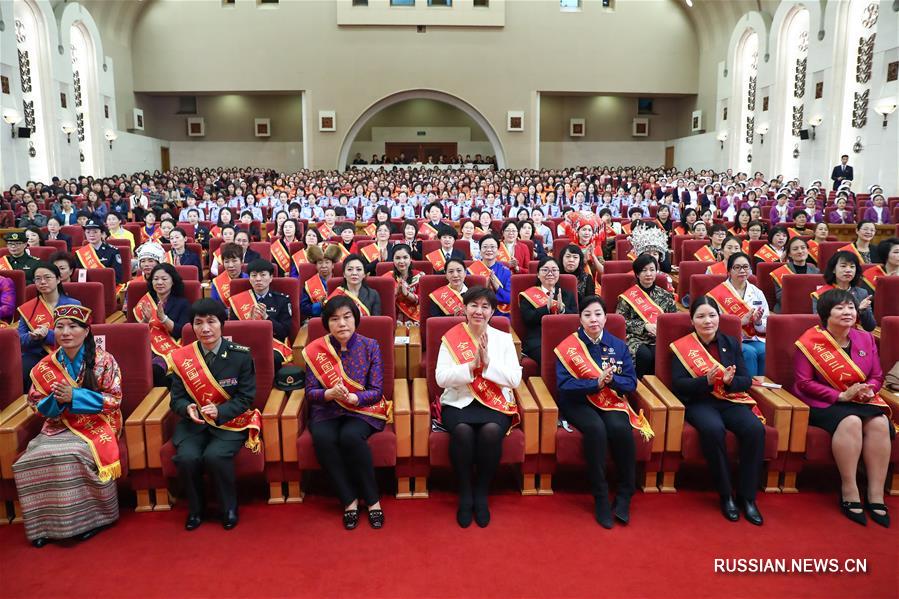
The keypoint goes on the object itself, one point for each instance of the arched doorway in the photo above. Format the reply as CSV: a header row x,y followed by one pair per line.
x,y
421,94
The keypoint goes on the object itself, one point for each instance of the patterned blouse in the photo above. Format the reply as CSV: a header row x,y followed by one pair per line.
x,y
634,325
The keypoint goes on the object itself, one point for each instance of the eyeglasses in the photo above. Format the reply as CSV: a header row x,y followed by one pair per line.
x,y
549,271
740,267
43,279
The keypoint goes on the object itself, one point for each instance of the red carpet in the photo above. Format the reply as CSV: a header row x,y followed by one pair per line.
x,y
534,547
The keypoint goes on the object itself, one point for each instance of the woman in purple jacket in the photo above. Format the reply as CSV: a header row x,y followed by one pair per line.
x,y
7,298
878,212
850,411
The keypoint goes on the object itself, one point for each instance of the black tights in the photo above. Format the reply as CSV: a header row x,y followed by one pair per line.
x,y
475,443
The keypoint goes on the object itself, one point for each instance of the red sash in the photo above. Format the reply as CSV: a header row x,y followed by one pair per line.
x,y
344,291
326,231
242,304
191,368
745,246
792,232
731,303
626,228
813,249
479,269
370,229
5,264
698,361
536,296
850,247
576,359
767,253
679,230
718,268
161,341
371,252
705,254
409,310
437,259
315,289
778,274
448,300
503,254
871,275
99,431
831,362
35,313
222,284
818,292
281,255
642,304
215,231
463,347
88,257
300,258
427,231
325,364
217,256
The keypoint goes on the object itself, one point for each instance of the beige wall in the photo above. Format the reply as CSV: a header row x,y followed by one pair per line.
x,y
609,118
421,113
299,46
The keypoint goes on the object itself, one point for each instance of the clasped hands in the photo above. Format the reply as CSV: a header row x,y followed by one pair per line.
x,y
481,360
211,411
754,316
606,376
339,392
727,375
857,392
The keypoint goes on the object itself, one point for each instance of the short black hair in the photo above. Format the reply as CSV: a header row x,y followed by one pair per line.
x,y
208,307
261,265
458,261
589,301
642,261
485,238
717,228
479,292
885,247
862,223
830,276
799,212
447,230
434,205
736,256
231,250
831,299
704,300
337,302
67,257
775,230
177,281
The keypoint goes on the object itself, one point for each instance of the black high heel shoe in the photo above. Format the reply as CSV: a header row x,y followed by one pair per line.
x,y
858,517
40,542
350,519
602,511
376,518
881,519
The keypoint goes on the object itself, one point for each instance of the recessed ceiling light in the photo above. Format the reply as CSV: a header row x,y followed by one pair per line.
x,y
690,3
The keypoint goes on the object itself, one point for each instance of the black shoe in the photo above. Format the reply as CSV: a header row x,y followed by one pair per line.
x,y
751,511
481,513
350,519
91,533
193,522
602,511
376,518
729,508
858,517
882,519
229,520
621,508
464,515
40,542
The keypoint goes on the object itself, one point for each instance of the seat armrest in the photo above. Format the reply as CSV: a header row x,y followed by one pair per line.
x,y
674,425
892,399
134,428
777,411
415,366
291,424
516,340
158,429
530,419
400,353
655,412
421,418
402,418
798,420
271,429
17,405
117,316
298,345
15,434
549,414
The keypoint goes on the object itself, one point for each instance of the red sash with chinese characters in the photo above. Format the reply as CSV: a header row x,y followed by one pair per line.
x,y
410,310
818,292
370,229
463,347
154,235
448,300
850,247
793,232
778,274
536,296
326,231
315,289
88,257
217,256
705,254
767,253
813,249
344,291
698,361
281,255
371,252
427,231
161,341
300,258
576,359
626,228
437,259
679,230
831,362
870,276
191,368
4,263
215,231
642,304
731,303
718,268
99,431
325,364
503,254
242,304
222,284
36,313
479,269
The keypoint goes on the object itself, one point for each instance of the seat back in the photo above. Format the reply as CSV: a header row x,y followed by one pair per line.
x,y
622,248
257,335
559,244
702,284
886,300
783,331
614,267
889,352
672,327
89,294
677,245
10,366
263,248
687,269
521,283
615,284
691,246
557,327
121,340
106,277
428,285
41,252
384,287
286,285
826,249
766,283
379,328
76,232
58,245
188,272
137,289
797,289
18,281
437,328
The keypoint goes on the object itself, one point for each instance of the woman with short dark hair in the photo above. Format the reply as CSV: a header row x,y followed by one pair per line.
x,y
165,309
545,297
844,271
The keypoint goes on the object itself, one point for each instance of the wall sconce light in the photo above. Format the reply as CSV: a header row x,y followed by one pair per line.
x,y
885,108
722,137
11,116
814,122
763,130
796,151
857,146
110,136
68,128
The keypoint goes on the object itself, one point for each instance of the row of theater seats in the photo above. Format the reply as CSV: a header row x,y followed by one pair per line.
x,y
537,449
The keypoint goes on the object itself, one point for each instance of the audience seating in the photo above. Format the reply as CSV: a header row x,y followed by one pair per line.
x,y
690,246
886,301
613,285
18,281
137,289
89,294
766,281
687,269
796,293
520,283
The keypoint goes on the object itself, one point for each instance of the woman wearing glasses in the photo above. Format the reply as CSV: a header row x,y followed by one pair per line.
x,y
546,297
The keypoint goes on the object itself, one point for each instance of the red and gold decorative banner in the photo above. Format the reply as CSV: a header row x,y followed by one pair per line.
x,y
344,291
370,229
243,304
479,269
281,255
427,231
412,311
576,359
315,289
731,303
705,254
642,304
767,253
535,296
718,268
88,257
871,275
437,259
325,364
325,231
821,290
448,300
300,258
222,284
778,274
371,252
813,247
503,254
161,341
36,313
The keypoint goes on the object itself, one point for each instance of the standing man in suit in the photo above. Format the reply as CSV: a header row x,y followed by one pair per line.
x,y
213,389
841,172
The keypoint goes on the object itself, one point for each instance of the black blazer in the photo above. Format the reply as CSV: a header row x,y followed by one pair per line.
x,y
838,172
458,255
65,237
250,256
691,389
532,317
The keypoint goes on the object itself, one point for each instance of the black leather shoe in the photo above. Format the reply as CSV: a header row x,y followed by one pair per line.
x,y
91,533
847,508
350,519
229,520
193,522
481,513
621,509
40,542
729,508
751,511
602,511
464,515
882,519
376,518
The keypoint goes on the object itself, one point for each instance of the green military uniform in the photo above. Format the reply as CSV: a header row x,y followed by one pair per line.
x,y
201,446
26,262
